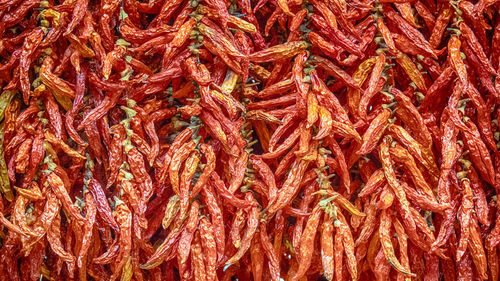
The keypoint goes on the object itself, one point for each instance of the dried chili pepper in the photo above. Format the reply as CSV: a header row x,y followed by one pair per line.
x,y
252,225
124,220
305,250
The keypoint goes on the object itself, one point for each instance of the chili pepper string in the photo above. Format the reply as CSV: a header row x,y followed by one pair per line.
x,y
249,140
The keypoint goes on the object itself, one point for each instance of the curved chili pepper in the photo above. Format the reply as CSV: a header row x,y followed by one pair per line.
x,y
188,234
279,52
440,26
327,248
207,170
102,204
197,261
124,219
390,175
480,201
336,71
238,172
477,251
58,187
336,35
289,187
236,227
88,226
209,247
54,238
465,217
374,132
252,225
412,119
413,34
299,223
325,123
402,156
305,250
98,112
32,41
267,176
178,142
456,61
219,40
426,158
177,159
339,255
290,141
479,153
224,192
387,247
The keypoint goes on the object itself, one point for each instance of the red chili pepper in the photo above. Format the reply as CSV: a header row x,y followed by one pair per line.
x,y
252,225
305,250
33,40
289,187
209,248
413,34
187,235
54,238
88,226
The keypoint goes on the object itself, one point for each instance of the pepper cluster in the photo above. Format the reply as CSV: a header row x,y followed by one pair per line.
x,y
249,140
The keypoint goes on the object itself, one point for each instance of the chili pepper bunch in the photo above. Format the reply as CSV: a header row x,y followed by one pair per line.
x,y
249,140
